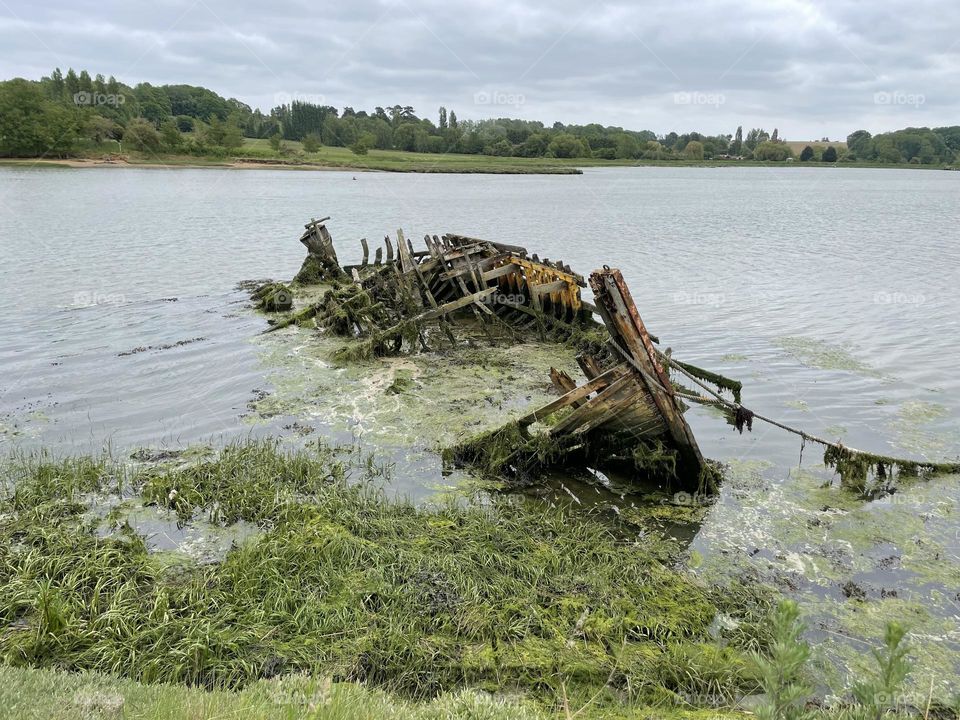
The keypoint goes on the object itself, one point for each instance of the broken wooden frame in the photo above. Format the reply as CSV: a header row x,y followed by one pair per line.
x,y
626,410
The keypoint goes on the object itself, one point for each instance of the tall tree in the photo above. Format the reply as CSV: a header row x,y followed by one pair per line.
x,y
443,118
736,147
453,120
860,143
57,85
32,125
72,83
86,84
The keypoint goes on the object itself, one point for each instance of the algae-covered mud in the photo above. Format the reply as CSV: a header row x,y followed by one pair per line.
x,y
855,559
854,565
409,407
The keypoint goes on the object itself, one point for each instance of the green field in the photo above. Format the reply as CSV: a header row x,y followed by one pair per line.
x,y
30,694
257,153
401,161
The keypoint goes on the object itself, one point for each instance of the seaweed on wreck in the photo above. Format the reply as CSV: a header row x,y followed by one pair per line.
x,y
721,381
273,297
856,467
508,452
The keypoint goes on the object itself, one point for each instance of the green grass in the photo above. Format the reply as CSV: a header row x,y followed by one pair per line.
x,y
402,161
29,694
501,595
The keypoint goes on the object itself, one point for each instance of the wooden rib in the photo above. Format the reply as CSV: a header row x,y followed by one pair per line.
x,y
594,406
577,394
403,250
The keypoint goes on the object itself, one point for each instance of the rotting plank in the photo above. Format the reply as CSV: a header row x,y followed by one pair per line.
x,y
403,249
628,332
561,402
599,403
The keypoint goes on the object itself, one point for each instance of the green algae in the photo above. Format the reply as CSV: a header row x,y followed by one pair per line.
x,y
314,272
910,431
403,381
822,355
809,537
273,297
735,387
835,431
452,395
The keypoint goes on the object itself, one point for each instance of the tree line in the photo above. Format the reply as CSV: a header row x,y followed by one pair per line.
x,y
63,114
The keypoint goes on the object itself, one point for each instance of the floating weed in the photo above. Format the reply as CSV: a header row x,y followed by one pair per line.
x,y
819,354
909,426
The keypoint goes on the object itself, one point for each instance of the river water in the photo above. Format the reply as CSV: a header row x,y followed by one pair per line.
x,y
833,294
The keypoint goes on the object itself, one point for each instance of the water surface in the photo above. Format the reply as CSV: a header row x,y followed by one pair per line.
x,y
831,293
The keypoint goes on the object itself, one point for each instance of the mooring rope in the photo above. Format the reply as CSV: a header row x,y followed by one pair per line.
x,y
734,406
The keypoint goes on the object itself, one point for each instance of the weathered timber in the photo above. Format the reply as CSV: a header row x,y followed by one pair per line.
x,y
321,262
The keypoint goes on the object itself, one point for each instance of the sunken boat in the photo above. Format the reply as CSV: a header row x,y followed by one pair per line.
x,y
624,413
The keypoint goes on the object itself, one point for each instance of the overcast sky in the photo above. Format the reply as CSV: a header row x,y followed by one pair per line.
x,y
811,69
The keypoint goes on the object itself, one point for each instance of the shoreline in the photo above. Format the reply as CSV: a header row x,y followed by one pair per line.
x,y
81,163
175,163
484,167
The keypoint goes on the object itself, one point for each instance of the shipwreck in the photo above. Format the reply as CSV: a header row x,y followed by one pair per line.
x,y
627,411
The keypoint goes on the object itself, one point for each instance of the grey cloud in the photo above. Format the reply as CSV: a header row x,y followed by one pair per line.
x,y
809,68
